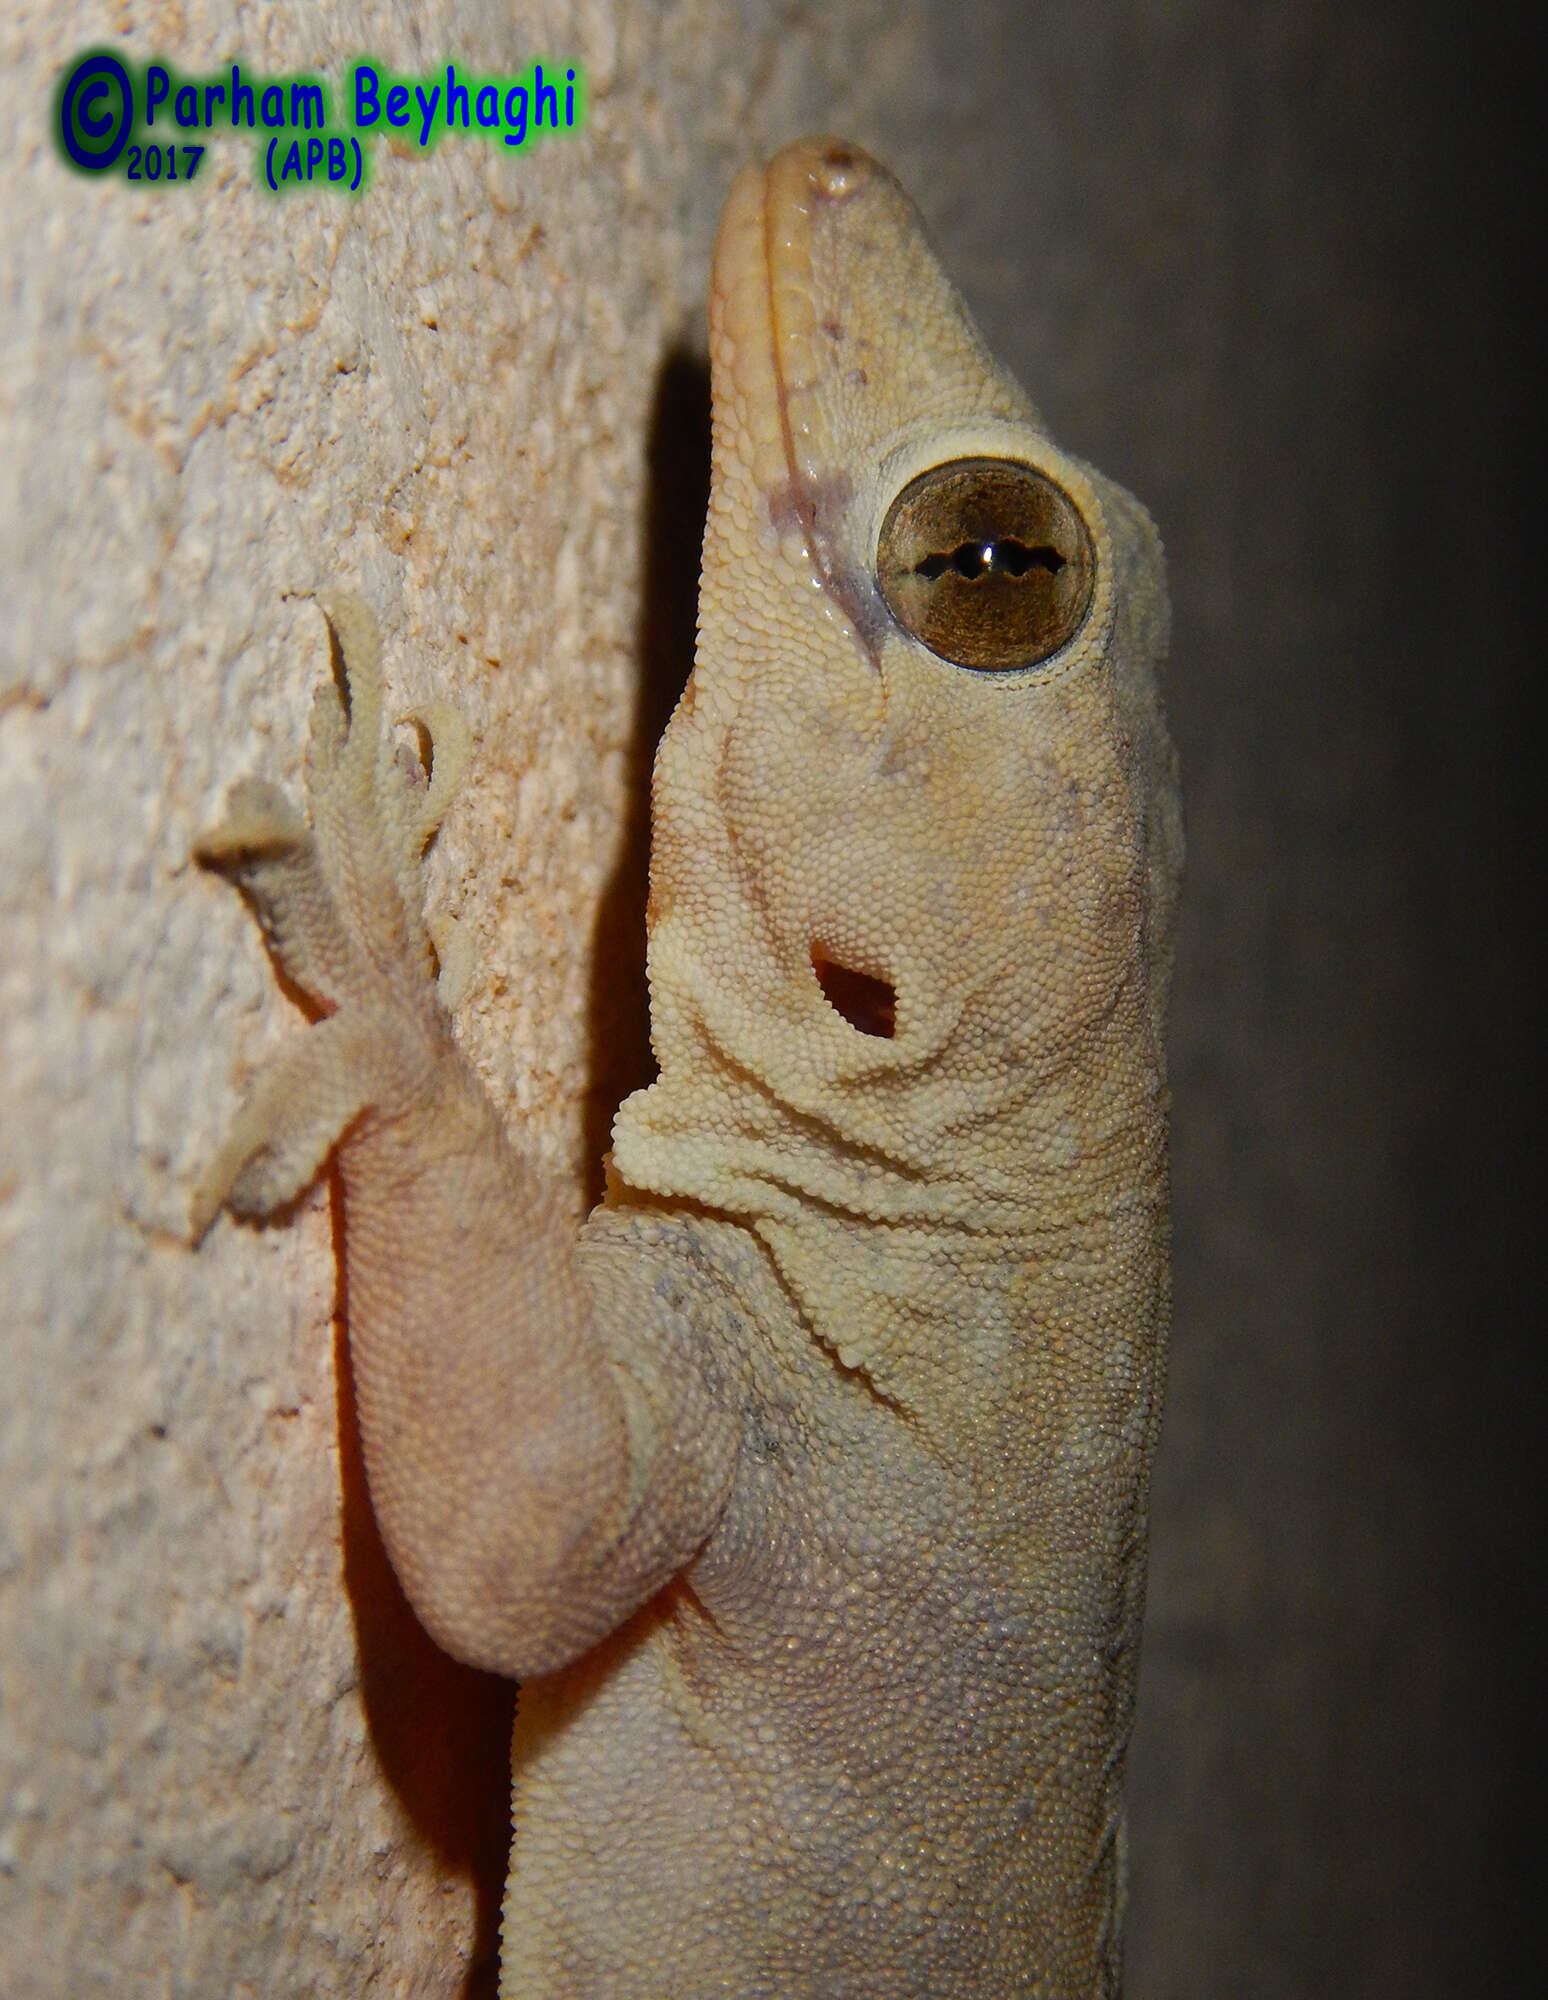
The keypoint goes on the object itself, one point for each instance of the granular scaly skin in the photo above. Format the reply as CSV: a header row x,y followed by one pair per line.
x,y
806,1489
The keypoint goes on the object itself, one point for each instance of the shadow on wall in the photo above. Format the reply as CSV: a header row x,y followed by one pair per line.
x,y
676,500
441,1731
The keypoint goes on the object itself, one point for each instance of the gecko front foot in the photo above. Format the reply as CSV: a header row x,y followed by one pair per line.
x,y
339,901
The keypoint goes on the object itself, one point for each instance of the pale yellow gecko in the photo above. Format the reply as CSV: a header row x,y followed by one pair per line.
x,y
806,1489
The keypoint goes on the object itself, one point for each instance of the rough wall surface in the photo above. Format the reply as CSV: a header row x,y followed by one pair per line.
x,y
1254,261
230,1762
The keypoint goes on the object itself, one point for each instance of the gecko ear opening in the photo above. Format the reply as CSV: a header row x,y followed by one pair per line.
x,y
868,1004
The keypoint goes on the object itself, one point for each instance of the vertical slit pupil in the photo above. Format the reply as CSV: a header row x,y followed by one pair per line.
x,y
976,559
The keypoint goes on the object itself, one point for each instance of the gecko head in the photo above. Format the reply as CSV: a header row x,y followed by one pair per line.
x,y
915,841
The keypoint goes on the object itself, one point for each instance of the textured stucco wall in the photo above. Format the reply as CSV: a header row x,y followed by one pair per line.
x,y
230,1761
1256,261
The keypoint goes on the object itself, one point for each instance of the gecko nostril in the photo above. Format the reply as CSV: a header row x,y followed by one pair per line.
x,y
839,171
868,1004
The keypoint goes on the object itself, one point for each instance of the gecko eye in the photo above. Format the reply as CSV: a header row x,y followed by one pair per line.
x,y
986,562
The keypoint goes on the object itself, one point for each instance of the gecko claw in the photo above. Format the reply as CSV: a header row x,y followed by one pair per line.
x,y
339,895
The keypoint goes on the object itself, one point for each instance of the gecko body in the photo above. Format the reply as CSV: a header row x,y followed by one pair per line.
x,y
806,1489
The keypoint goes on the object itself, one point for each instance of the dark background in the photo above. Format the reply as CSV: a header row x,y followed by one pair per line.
x,y
1271,267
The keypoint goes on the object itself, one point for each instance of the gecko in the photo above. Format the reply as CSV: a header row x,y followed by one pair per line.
x,y
804,1487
